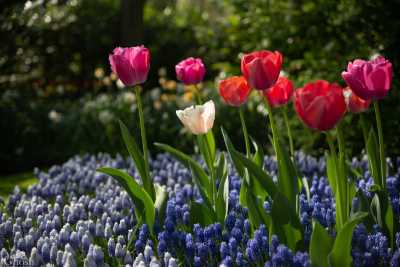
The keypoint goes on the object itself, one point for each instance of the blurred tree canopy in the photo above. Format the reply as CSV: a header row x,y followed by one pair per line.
x,y
56,50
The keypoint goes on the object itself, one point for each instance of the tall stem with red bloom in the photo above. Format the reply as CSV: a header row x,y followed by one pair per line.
x,y
321,105
279,95
235,92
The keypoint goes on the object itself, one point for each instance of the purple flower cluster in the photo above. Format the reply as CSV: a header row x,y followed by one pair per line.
x,y
75,216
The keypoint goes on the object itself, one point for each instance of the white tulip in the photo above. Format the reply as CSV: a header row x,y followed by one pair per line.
x,y
198,119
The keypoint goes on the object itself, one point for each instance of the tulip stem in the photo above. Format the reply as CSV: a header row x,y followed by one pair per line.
x,y
342,171
364,129
341,142
245,134
197,94
273,126
289,131
331,144
381,145
336,182
147,185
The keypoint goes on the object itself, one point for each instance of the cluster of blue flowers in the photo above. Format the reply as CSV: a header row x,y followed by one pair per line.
x,y
76,216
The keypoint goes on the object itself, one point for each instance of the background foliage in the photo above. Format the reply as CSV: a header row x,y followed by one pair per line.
x,y
56,91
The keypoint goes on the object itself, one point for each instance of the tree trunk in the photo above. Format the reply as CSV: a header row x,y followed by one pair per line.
x,y
132,22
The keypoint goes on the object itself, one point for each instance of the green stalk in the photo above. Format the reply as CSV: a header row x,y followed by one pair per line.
x,y
289,131
337,191
364,129
331,145
245,134
149,186
342,173
381,145
205,150
197,94
273,126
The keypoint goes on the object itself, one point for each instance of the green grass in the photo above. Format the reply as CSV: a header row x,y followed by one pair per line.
x,y
23,180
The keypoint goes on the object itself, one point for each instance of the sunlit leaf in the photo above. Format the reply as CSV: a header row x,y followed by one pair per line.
x,y
341,251
320,245
137,194
137,158
189,163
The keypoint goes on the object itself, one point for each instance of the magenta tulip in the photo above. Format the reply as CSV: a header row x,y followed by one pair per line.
x,y
130,64
369,80
190,71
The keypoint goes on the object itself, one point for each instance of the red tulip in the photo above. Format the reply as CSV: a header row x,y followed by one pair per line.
x,y
234,90
369,79
280,93
190,71
354,103
131,64
320,105
261,68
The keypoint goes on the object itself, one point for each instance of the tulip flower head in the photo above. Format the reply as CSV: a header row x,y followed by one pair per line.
x,y
261,68
190,71
234,90
354,103
280,93
369,79
130,64
198,119
320,105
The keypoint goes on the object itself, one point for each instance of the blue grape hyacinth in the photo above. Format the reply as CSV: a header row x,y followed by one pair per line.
x,y
75,216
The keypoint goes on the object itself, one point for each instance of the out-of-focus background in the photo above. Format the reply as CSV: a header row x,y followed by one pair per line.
x,y
59,98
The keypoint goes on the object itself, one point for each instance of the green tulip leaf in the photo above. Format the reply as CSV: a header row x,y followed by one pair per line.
x,y
341,251
373,157
223,190
231,149
262,178
320,245
140,197
200,213
189,163
137,158
258,157
161,201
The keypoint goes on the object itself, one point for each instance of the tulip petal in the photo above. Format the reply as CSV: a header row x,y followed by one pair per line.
x,y
124,70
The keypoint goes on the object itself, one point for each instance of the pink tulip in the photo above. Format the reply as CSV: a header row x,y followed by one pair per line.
x,y
130,64
369,79
261,68
190,71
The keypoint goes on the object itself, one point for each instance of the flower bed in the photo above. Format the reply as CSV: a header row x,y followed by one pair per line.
x,y
75,216
249,210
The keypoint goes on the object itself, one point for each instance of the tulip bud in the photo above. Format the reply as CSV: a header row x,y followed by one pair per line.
x,y
198,119
369,79
130,64
354,103
320,105
280,93
190,71
261,68
234,90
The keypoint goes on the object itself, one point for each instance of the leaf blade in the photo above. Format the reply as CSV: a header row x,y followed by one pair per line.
x,y
135,191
